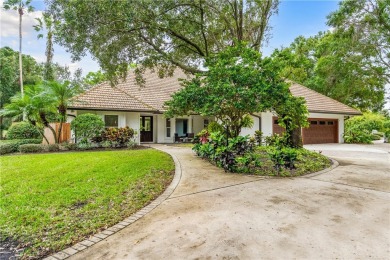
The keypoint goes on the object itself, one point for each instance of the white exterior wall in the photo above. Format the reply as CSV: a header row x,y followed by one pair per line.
x,y
195,123
266,123
130,119
161,130
251,131
198,123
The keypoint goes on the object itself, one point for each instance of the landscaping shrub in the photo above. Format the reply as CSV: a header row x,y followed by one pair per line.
x,y
242,156
358,129
53,147
23,130
12,146
32,148
214,127
259,137
276,140
87,126
68,146
115,137
84,146
223,152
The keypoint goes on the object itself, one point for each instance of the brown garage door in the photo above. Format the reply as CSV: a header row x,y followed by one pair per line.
x,y
320,131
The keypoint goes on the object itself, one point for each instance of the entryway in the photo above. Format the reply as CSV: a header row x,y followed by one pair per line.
x,y
146,128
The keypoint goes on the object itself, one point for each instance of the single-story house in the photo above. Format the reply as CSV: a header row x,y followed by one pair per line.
x,y
142,108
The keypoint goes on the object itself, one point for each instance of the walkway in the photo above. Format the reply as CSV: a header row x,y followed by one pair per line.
x,y
212,214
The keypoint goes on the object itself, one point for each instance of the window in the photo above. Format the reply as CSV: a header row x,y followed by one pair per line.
x,y
205,123
111,120
322,122
168,126
330,122
313,122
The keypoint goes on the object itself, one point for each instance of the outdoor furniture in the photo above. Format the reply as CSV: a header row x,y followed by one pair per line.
x,y
177,138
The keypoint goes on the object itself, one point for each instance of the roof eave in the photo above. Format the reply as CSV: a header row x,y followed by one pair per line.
x,y
115,109
357,113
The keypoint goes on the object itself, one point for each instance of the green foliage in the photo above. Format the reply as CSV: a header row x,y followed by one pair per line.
x,y
12,146
69,146
293,115
165,33
359,129
259,137
9,76
368,24
121,136
52,147
386,128
240,155
75,193
214,127
279,141
84,146
87,126
224,152
116,137
283,157
330,63
23,130
238,83
94,78
32,148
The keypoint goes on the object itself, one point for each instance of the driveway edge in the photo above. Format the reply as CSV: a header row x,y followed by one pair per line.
x,y
68,252
334,165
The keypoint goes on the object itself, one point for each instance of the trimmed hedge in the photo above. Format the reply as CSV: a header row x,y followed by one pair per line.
x,y
32,148
23,130
12,146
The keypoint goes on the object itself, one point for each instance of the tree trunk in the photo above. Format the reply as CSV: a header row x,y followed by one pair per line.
x,y
296,138
20,55
59,132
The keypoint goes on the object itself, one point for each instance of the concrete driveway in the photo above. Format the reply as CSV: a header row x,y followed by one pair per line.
x,y
344,213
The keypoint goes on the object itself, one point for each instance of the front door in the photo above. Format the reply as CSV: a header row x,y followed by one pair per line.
x,y
146,123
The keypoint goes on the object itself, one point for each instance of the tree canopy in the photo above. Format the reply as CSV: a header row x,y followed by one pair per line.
x,y
368,24
335,65
239,82
161,33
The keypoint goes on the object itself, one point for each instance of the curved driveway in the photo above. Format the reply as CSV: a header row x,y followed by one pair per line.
x,y
343,213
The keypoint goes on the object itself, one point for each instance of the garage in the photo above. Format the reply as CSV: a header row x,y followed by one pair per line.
x,y
320,131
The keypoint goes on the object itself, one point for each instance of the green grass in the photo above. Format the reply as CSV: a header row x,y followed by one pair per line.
x,y
50,201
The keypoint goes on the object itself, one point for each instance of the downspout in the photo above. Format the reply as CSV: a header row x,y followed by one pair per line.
x,y
259,117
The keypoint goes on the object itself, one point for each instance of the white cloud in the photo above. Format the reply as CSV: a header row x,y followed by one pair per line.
x,y
10,22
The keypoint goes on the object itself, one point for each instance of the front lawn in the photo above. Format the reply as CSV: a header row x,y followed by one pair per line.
x,y
51,201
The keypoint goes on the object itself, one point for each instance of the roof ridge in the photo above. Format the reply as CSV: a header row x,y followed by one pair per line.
x,y
316,92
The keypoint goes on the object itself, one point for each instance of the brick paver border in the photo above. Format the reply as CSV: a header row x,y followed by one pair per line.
x,y
124,223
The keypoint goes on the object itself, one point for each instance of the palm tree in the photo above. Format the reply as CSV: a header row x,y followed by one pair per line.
x,y
47,22
61,93
35,106
20,6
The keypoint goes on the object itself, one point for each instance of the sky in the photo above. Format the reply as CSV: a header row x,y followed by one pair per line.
x,y
295,18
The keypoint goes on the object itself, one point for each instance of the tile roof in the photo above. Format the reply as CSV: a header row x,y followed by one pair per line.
x,y
318,103
129,96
